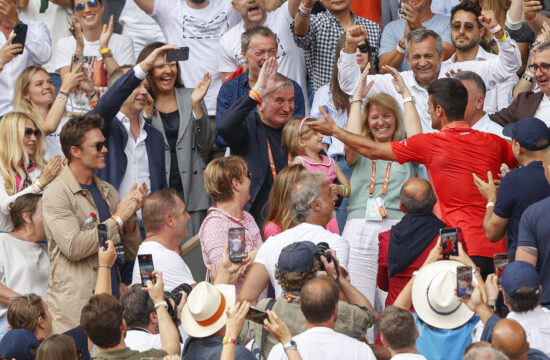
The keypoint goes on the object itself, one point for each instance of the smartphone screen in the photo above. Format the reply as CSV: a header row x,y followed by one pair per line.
x,y
181,54
256,315
236,244
146,268
449,242
102,234
500,261
20,31
464,281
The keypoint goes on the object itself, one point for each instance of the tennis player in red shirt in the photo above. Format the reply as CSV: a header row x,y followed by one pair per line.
x,y
451,157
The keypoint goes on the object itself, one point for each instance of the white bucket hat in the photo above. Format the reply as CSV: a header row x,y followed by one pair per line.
x,y
205,311
434,299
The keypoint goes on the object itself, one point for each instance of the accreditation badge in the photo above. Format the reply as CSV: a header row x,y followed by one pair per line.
x,y
373,213
381,208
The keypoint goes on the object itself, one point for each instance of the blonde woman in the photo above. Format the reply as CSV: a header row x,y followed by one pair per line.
x,y
22,166
34,94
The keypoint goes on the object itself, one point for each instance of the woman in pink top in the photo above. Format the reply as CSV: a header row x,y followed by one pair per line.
x,y
227,181
305,145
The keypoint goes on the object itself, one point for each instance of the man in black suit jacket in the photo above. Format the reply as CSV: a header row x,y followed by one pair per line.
x,y
256,136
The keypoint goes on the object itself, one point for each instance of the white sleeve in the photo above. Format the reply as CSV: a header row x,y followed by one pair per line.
x,y
162,11
227,61
261,254
123,50
341,246
503,92
38,43
64,51
175,271
6,200
496,69
349,72
277,353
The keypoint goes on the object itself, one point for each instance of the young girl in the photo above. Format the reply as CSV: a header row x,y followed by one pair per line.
x,y
304,145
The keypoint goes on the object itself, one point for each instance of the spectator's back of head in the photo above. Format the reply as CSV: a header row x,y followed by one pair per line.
x,y
451,95
318,300
156,206
306,190
219,175
57,347
417,197
398,329
510,338
296,265
483,353
27,203
521,286
101,319
26,312
138,306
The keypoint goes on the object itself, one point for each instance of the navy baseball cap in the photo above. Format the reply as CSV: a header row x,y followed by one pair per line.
x,y
297,257
519,274
18,343
528,132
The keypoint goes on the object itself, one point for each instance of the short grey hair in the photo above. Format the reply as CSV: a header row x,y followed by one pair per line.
x,y
287,83
307,189
246,36
421,35
542,47
484,353
473,77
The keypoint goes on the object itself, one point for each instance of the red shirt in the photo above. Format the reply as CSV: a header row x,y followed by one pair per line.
x,y
369,9
451,156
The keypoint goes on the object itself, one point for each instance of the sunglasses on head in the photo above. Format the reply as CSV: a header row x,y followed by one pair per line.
x,y
364,48
91,4
35,132
468,26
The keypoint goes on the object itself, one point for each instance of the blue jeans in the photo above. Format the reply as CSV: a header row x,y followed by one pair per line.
x,y
341,213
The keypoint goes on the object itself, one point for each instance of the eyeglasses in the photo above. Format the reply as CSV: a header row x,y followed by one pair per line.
x,y
35,132
364,48
468,26
99,146
543,67
81,6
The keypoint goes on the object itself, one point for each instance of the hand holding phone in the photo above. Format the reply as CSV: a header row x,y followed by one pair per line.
x,y
499,262
256,315
236,244
181,54
20,31
449,242
102,235
146,268
464,281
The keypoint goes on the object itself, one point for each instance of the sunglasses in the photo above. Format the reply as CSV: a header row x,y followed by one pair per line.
x,y
468,26
364,48
91,4
36,132
543,67
99,146
249,174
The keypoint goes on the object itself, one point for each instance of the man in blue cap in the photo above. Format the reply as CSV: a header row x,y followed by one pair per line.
x,y
521,187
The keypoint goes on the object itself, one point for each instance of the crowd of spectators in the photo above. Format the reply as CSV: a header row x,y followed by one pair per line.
x,y
359,179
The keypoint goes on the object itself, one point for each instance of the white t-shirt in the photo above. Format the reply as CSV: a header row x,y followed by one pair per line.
x,y
143,340
269,252
324,343
543,111
485,124
56,19
123,53
53,143
289,56
24,267
174,270
200,30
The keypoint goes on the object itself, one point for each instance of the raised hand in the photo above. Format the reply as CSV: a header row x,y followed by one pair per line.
x,y
201,89
355,34
398,81
9,51
76,31
107,257
8,12
412,17
106,33
531,8
50,171
131,203
362,87
235,319
156,58
277,327
72,79
325,126
267,83
487,189
489,21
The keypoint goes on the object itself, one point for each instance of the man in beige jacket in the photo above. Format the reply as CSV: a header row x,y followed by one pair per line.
x,y
67,203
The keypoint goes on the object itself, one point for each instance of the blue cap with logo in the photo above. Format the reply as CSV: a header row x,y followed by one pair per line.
x,y
519,274
529,132
297,257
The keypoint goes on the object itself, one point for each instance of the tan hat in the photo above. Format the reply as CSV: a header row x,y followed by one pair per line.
x,y
205,311
434,299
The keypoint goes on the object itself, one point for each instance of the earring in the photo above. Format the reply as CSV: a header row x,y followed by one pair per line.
x,y
28,100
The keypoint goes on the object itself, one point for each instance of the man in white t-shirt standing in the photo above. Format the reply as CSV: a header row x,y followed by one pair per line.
x,y
139,27
165,222
199,25
312,207
289,56
101,52
319,304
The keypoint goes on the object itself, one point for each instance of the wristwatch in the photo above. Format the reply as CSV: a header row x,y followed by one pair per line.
x,y
291,345
409,99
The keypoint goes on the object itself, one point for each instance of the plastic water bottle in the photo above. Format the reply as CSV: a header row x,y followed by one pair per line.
x,y
89,223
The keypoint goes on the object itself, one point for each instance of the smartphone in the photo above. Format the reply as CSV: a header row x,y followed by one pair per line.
x,y
256,315
500,261
236,244
20,31
146,268
75,60
102,234
181,54
464,281
449,242
400,11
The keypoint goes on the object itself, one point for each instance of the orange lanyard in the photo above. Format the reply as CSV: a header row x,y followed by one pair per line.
x,y
272,161
386,179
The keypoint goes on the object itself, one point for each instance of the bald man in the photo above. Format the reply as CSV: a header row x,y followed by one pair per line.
x,y
509,337
411,239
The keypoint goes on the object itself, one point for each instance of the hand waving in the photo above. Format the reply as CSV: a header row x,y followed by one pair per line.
x,y
267,79
201,89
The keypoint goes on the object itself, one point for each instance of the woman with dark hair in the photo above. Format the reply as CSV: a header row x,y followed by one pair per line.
x,y
337,104
182,118
24,261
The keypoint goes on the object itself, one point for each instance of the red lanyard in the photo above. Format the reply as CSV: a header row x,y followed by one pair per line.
x,y
386,179
272,161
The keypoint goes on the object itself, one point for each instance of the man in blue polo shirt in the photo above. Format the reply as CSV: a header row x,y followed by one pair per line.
x,y
534,238
520,187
